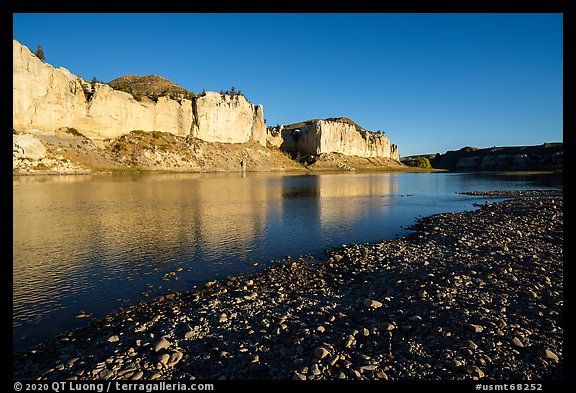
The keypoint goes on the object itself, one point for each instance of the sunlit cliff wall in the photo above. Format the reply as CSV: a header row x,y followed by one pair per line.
x,y
46,98
327,136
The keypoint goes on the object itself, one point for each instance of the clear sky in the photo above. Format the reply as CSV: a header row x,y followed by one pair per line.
x,y
432,82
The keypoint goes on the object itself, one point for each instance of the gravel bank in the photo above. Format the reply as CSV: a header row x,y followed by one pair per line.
x,y
514,193
472,295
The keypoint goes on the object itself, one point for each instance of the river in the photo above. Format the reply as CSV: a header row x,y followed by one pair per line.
x,y
88,244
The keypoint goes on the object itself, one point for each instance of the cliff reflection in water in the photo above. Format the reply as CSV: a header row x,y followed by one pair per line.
x,y
90,243
334,204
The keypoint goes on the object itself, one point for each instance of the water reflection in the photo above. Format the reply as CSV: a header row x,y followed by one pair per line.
x,y
91,243
345,199
83,241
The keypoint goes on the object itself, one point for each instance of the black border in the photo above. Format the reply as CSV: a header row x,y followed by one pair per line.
x,y
566,7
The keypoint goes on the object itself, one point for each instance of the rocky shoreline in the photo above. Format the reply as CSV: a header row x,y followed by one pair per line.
x,y
470,295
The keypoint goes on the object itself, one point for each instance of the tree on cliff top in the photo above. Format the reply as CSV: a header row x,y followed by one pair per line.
x,y
40,53
232,92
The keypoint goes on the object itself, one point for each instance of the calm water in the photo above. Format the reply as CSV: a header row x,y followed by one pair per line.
x,y
94,243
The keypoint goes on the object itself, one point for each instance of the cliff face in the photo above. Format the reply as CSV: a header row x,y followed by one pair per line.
x,y
47,98
333,136
227,119
44,97
111,113
548,156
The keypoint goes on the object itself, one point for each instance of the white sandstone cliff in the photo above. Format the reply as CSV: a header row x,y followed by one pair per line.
x,y
47,98
227,119
326,136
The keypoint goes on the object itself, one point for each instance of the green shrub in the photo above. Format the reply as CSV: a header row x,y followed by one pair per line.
x,y
420,162
73,131
118,147
138,132
154,97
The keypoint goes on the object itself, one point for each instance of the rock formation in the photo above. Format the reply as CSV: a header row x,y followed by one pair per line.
x,y
336,135
27,146
51,102
548,156
227,119
47,98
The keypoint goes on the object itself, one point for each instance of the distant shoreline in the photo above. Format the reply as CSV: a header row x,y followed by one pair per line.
x,y
289,171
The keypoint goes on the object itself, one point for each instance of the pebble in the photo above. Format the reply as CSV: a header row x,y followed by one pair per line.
x,y
469,344
370,303
475,328
474,371
175,358
315,370
105,374
548,354
455,363
516,341
113,339
350,341
422,294
164,358
320,352
387,326
251,296
333,359
298,377
161,344
210,284
137,375
370,367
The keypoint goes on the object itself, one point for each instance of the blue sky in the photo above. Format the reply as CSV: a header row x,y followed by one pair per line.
x,y
432,82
